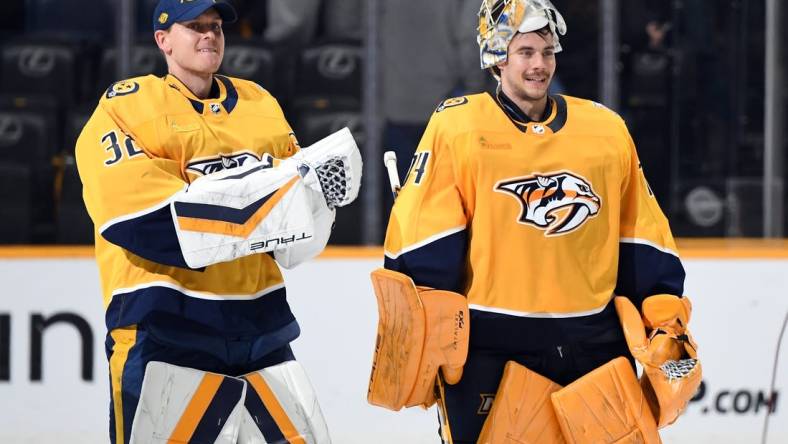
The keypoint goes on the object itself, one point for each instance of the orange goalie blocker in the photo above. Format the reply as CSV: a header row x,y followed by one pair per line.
x,y
606,406
522,412
672,372
420,331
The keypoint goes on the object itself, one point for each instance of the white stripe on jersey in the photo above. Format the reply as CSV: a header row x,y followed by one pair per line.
x,y
525,314
200,294
426,241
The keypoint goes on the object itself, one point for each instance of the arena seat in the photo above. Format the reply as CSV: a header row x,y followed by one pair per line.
x,y
72,223
331,68
16,211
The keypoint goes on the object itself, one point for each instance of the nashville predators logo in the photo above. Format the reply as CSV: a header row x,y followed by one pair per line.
x,y
555,202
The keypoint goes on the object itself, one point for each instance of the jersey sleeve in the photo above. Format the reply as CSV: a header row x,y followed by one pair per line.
x,y
127,190
649,263
426,237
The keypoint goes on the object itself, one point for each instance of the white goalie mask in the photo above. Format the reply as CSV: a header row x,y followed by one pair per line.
x,y
500,20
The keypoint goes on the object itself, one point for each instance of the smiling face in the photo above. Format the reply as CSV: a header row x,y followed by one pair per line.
x,y
194,46
529,66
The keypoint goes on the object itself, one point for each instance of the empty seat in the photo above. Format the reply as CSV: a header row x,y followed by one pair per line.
x,y
251,62
16,211
145,59
73,225
26,137
330,69
94,19
55,69
75,121
314,124
29,139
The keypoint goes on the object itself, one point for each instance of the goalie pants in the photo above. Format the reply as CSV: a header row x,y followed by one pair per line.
x,y
561,350
129,350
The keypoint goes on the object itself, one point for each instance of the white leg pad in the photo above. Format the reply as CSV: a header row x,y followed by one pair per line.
x,y
179,404
281,406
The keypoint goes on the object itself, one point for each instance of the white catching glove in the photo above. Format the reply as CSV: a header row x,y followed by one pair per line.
x,y
285,207
331,169
337,162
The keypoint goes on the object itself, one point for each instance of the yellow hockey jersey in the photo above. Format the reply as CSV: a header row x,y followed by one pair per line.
x,y
533,221
148,138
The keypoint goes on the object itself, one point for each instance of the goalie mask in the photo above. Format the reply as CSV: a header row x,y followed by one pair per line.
x,y
500,20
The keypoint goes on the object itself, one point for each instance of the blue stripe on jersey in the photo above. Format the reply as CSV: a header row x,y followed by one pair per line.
x,y
151,236
267,314
439,264
218,212
494,331
645,271
264,421
232,94
198,106
215,417
247,172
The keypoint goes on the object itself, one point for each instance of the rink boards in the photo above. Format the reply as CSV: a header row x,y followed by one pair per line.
x,y
53,380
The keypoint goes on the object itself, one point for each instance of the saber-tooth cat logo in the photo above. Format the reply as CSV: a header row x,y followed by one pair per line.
x,y
557,202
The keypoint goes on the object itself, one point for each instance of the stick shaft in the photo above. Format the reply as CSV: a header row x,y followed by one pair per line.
x,y
390,161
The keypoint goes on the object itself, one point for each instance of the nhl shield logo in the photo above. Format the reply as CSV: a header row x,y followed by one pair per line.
x,y
215,108
557,203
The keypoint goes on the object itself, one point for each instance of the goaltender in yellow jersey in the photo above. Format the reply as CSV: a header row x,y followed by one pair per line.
x,y
199,192
535,203
155,128
528,264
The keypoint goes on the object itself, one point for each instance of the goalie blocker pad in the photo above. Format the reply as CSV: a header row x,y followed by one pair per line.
x,y
273,405
671,371
606,406
285,207
421,331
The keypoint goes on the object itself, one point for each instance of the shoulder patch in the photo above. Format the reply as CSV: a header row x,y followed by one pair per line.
x,y
122,88
454,101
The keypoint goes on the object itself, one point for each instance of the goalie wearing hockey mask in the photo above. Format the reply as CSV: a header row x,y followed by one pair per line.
x,y
199,192
528,264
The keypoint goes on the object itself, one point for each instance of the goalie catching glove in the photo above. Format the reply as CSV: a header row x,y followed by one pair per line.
x,y
280,206
672,372
421,331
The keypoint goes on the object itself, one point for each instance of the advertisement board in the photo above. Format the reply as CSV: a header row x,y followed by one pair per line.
x,y
53,372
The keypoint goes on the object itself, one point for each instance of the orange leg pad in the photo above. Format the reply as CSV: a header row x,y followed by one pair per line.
x,y
522,412
606,406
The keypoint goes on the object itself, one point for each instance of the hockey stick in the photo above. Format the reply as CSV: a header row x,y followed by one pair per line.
x,y
390,161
